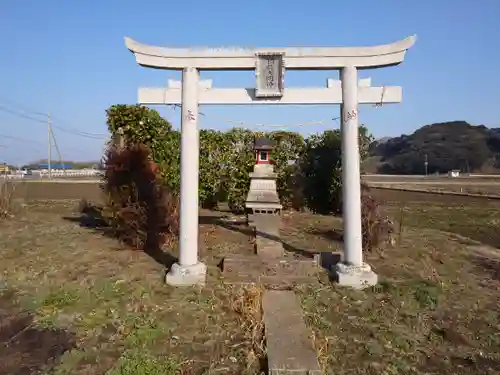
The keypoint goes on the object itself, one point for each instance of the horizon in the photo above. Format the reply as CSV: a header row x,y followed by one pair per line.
x,y
55,161
71,60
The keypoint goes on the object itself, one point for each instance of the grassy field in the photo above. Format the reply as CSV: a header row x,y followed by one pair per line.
x,y
106,310
477,218
468,185
39,190
472,187
122,317
437,307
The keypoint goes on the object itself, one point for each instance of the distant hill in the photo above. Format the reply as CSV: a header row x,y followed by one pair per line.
x,y
445,146
382,140
72,164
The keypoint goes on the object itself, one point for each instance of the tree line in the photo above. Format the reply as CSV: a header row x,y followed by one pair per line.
x,y
308,169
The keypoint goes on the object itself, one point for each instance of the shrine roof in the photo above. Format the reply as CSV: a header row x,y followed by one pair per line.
x,y
263,143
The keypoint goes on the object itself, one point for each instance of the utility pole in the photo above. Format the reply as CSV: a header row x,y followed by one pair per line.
x,y
57,150
49,139
426,164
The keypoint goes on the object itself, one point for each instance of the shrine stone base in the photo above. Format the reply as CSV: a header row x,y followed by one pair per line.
x,y
267,235
186,275
357,277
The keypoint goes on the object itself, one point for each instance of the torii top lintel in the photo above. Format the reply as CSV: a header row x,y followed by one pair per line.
x,y
315,58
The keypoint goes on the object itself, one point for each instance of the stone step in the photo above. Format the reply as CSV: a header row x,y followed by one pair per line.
x,y
288,340
268,282
243,269
268,248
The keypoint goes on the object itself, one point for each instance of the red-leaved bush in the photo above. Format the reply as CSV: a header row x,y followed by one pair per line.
x,y
138,209
377,228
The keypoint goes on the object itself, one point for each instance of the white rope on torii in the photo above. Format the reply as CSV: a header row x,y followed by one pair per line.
x,y
207,83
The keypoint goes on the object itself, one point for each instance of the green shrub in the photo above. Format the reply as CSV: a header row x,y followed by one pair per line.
x,y
309,170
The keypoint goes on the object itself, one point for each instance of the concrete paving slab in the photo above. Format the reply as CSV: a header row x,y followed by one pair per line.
x,y
289,345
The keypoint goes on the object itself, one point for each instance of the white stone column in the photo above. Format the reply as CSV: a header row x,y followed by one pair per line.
x,y
189,270
351,190
352,271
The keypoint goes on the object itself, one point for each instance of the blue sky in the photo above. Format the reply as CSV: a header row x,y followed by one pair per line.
x,y
68,57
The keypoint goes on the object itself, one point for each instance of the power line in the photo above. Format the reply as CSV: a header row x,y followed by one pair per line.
x,y
22,107
20,139
50,133
102,135
80,133
31,118
30,141
19,114
30,113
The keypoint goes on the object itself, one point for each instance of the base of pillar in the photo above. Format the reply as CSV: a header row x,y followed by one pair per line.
x,y
357,277
180,275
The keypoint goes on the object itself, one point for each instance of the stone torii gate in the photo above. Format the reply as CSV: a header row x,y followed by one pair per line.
x,y
270,65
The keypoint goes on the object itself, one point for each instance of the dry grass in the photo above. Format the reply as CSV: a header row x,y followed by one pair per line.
x,y
481,186
488,189
321,345
436,309
115,302
6,199
479,219
247,303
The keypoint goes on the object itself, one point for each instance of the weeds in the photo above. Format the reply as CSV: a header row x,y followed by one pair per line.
x,y
320,344
143,363
247,303
6,199
377,228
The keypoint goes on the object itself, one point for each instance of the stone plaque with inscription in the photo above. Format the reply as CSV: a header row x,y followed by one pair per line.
x,y
270,72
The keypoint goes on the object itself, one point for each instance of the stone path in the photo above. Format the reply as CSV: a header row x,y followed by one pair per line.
x,y
289,346
271,266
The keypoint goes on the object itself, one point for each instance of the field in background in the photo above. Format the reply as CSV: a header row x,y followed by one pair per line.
x,y
414,189
478,184
88,187
56,174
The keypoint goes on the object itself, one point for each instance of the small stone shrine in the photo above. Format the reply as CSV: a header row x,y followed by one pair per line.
x,y
262,197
